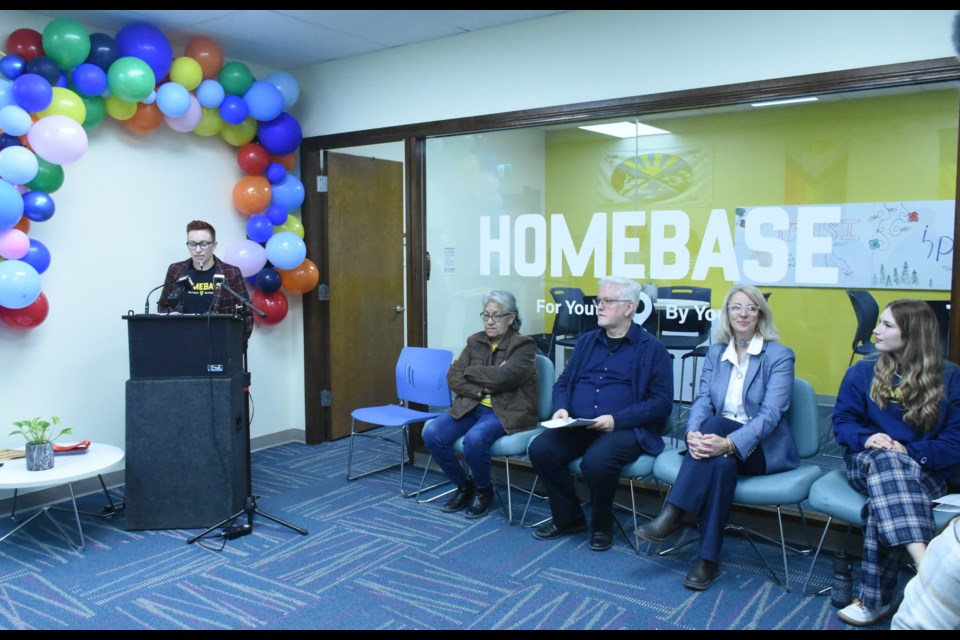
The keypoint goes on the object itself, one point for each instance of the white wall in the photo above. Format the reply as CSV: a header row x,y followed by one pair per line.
x,y
120,220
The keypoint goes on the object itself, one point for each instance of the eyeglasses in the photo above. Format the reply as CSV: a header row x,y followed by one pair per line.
x,y
202,245
752,309
495,318
605,302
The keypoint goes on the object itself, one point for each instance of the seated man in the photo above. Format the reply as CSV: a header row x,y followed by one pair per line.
x,y
622,377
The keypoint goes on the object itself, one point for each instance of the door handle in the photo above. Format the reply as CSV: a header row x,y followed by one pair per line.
x,y
399,309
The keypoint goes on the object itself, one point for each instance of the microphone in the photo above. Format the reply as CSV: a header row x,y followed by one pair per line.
x,y
220,280
146,304
183,282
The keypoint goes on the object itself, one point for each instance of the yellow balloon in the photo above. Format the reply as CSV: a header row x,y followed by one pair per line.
x,y
120,109
66,103
210,123
186,71
240,134
292,224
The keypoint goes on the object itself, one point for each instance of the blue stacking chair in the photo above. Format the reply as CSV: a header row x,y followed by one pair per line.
x,y
514,445
775,489
421,379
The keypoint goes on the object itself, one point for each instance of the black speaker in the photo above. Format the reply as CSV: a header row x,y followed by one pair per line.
x,y
187,452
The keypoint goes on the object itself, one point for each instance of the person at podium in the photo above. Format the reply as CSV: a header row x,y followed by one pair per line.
x,y
190,288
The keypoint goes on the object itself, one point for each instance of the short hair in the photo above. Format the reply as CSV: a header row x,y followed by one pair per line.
x,y
765,327
629,289
509,303
200,225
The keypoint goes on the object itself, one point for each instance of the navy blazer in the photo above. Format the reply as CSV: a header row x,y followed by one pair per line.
x,y
767,390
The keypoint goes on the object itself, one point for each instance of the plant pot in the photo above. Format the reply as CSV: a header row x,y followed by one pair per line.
x,y
40,456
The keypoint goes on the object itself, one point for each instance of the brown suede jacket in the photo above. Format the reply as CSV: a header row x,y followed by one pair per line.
x,y
509,374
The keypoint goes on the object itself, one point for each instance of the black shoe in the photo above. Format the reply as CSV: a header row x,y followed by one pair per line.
x,y
550,530
702,574
601,540
665,526
482,500
460,498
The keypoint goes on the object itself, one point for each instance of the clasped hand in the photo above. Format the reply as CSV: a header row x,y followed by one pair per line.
x,y
884,441
703,446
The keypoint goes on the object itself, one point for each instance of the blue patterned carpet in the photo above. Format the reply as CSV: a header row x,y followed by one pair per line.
x,y
374,560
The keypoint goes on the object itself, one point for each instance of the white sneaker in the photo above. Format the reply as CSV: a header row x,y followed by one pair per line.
x,y
860,616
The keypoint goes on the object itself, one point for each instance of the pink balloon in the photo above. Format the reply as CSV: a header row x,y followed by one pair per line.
x,y
248,256
188,121
58,139
14,244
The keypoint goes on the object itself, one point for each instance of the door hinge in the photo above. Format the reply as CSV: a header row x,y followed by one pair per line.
x,y
326,399
323,292
322,184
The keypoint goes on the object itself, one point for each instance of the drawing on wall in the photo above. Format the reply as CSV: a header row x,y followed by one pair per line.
x,y
876,245
662,176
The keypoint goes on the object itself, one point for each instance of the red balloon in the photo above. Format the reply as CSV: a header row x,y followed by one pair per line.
x,y
253,159
26,43
273,304
28,317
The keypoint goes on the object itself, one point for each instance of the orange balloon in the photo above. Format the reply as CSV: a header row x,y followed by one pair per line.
x,y
147,119
207,52
300,279
252,194
287,161
23,224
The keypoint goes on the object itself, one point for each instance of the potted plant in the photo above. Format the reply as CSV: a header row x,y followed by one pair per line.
x,y
40,436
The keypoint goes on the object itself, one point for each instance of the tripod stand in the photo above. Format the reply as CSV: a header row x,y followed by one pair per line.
x,y
232,531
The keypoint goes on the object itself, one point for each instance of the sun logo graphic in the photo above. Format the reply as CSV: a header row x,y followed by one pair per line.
x,y
652,176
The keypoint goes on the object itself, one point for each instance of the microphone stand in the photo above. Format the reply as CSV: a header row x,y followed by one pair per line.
x,y
146,304
236,295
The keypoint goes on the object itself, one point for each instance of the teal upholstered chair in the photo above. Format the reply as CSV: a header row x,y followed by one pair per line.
x,y
775,489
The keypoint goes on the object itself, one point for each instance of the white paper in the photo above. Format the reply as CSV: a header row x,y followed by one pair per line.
x,y
566,422
949,503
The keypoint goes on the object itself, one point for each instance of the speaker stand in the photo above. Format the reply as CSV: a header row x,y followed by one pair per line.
x,y
230,530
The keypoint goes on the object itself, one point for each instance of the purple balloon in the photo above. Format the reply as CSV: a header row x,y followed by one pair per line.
x,y
145,41
38,256
280,136
38,206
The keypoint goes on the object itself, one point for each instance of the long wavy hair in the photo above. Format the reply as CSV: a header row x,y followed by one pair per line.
x,y
919,365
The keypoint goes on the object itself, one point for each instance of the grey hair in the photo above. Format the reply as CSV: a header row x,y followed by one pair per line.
x,y
506,300
629,289
765,327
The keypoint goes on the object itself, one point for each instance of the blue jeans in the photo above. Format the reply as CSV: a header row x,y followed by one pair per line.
x,y
480,428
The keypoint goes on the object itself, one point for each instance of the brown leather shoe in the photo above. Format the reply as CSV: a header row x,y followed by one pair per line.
x,y
702,574
665,526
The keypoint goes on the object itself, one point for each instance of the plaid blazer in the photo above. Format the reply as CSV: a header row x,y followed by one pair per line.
x,y
222,301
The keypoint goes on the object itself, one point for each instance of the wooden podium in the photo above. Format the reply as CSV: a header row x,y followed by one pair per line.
x,y
187,436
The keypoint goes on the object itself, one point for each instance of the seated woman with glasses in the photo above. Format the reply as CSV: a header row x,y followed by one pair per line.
x,y
898,415
736,426
495,393
191,287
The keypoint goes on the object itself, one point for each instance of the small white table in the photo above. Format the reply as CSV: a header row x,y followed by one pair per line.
x,y
67,468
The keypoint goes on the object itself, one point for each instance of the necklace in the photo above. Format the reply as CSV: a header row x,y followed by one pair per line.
x,y
743,344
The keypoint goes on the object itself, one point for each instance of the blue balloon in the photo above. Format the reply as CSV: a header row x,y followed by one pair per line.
x,y
38,256
19,284
89,79
264,101
275,173
210,94
145,41
38,206
259,228
285,250
45,68
33,92
62,82
11,206
277,214
6,93
7,140
268,280
234,110
173,99
280,136
103,50
287,85
11,66
289,193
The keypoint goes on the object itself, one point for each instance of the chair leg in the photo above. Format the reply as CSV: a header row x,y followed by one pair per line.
x,y
785,583
533,492
421,489
813,563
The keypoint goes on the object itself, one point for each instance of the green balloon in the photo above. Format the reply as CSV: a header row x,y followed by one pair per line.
x,y
235,78
66,42
131,79
96,110
49,176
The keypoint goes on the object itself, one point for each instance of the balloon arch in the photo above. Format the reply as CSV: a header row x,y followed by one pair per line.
x,y
58,85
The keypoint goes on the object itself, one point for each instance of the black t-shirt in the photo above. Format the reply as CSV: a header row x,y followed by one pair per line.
x,y
198,298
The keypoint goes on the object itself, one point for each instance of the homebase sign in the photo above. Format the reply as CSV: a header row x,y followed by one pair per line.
x,y
823,245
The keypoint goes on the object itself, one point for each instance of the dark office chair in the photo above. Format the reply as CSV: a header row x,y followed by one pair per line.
x,y
867,310
942,309
567,326
689,334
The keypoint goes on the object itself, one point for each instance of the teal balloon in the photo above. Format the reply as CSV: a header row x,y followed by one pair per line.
x,y
66,42
235,78
19,284
131,79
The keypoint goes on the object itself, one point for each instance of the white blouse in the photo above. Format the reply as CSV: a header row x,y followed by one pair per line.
x,y
733,401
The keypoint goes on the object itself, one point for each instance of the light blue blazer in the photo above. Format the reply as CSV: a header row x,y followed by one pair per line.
x,y
766,398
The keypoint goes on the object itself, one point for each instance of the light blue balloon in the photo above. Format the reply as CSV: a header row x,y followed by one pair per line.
x,y
11,206
289,193
14,120
173,99
6,93
264,101
287,85
285,250
210,94
19,284
18,165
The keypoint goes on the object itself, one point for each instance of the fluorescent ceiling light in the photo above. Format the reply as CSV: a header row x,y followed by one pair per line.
x,y
773,103
625,129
